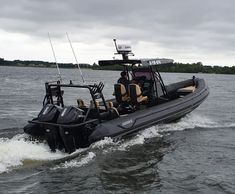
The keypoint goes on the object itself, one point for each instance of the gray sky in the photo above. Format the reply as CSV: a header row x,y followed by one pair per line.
x,y
184,30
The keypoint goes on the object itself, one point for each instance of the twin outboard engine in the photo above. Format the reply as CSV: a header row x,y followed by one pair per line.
x,y
60,136
63,130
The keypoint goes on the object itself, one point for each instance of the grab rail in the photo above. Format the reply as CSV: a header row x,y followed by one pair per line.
x,y
64,125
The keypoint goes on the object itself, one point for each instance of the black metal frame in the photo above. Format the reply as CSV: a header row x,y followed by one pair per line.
x,y
153,73
54,90
125,61
161,81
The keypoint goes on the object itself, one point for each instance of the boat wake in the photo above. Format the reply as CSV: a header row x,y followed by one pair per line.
x,y
190,121
19,151
76,162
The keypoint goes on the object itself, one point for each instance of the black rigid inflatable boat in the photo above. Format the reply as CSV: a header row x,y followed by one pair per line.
x,y
147,102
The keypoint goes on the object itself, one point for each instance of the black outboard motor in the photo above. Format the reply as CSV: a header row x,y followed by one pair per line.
x,y
71,136
50,113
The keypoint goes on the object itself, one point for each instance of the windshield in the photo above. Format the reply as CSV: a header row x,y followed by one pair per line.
x,y
147,75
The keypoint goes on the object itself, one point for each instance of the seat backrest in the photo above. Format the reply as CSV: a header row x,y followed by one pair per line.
x,y
92,105
136,94
120,93
81,103
134,91
113,113
109,104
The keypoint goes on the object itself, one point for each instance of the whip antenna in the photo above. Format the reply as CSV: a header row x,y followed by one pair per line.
x,y
75,57
57,66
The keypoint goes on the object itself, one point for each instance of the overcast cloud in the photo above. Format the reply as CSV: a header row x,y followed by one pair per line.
x,y
185,30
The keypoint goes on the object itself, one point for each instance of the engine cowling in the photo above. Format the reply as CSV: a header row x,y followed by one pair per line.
x,y
71,136
71,115
49,113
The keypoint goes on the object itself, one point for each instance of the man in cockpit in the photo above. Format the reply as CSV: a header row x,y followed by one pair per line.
x,y
124,80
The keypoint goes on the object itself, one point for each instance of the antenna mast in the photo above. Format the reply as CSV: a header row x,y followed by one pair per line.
x,y
75,57
57,66
114,40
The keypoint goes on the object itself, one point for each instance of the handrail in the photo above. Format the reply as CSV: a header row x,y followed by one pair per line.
x,y
63,125
93,89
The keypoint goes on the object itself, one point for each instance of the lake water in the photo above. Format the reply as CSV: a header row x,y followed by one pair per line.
x,y
194,155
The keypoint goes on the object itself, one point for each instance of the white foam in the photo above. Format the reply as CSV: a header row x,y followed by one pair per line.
x,y
188,122
102,143
231,125
77,163
14,151
140,138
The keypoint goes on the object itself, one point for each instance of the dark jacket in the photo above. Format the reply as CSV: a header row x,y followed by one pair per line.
x,y
125,82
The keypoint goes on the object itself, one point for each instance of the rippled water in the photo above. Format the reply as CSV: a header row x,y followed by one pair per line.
x,y
194,155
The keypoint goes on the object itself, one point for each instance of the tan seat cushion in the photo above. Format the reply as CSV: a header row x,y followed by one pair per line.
x,y
81,103
138,92
124,94
188,89
142,99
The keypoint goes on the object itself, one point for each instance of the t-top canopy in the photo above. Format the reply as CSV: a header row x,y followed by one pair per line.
x,y
157,61
119,62
144,62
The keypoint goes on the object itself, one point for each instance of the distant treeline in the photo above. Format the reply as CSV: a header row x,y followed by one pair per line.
x,y
182,68
196,68
21,63
175,67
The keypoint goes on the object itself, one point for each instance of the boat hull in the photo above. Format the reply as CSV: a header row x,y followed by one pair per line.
x,y
164,113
